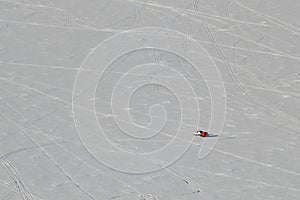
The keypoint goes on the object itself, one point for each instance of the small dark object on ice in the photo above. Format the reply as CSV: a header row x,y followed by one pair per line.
x,y
201,133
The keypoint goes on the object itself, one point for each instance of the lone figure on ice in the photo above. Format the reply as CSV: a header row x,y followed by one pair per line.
x,y
201,133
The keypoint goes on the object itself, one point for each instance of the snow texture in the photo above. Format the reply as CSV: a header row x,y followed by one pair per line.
x,y
100,99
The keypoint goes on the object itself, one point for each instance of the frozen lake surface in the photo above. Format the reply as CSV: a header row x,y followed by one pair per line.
x,y
100,99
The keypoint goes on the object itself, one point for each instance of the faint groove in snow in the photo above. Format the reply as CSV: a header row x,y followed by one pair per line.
x,y
235,78
274,20
62,27
45,153
60,146
14,175
57,98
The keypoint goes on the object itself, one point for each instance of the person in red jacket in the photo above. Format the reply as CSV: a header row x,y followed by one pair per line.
x,y
201,133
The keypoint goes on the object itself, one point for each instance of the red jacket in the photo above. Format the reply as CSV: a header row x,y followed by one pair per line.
x,y
203,134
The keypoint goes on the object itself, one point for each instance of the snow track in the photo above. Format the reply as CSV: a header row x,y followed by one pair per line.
x,y
159,87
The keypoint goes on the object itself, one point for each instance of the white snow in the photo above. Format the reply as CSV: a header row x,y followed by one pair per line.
x,y
100,99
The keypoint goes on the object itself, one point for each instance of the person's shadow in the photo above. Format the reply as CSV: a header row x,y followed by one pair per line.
x,y
212,135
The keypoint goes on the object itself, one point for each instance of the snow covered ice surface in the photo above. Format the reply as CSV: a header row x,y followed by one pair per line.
x,y
99,99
